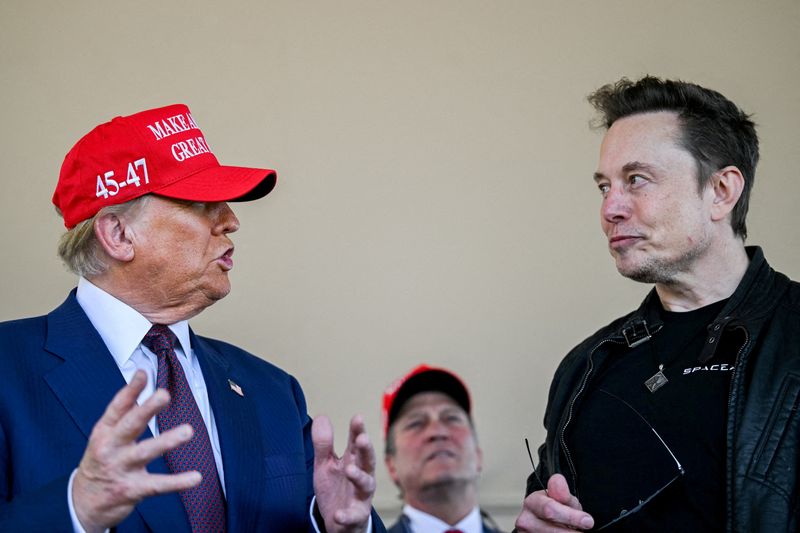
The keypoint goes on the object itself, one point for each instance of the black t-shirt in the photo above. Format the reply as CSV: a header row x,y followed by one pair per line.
x,y
620,461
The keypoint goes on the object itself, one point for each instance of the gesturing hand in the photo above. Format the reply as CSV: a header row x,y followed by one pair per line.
x,y
112,476
344,486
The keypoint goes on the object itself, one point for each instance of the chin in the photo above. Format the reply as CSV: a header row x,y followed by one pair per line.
x,y
647,272
218,291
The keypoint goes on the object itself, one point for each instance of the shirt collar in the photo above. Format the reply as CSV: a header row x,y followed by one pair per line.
x,y
121,327
423,522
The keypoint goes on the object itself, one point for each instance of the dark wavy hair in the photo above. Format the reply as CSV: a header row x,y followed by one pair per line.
x,y
713,129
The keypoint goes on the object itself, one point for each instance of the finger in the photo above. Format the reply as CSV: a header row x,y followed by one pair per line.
x,y
361,447
356,428
133,423
352,517
124,399
529,523
364,482
145,451
155,484
322,438
553,512
558,489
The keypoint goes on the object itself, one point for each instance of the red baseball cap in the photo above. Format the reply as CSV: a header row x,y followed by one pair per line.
x,y
423,378
160,151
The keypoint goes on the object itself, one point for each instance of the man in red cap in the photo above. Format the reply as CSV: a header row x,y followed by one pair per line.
x,y
432,453
113,412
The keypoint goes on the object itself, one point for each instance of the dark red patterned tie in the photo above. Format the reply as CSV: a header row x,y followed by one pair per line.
x,y
453,531
204,503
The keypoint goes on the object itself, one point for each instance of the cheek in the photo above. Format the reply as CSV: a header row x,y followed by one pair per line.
x,y
190,253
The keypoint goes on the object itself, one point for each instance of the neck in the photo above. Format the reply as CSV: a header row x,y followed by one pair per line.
x,y
449,503
156,308
712,278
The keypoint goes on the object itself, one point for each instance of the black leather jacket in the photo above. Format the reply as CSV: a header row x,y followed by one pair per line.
x,y
761,324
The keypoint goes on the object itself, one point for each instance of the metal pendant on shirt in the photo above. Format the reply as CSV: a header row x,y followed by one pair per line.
x,y
657,380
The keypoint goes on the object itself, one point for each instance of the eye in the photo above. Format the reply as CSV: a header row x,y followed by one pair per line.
x,y
636,179
454,418
603,188
194,206
414,424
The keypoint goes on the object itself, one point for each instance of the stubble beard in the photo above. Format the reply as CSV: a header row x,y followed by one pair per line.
x,y
663,271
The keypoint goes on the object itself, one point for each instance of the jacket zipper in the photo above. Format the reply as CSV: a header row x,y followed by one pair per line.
x,y
729,440
584,381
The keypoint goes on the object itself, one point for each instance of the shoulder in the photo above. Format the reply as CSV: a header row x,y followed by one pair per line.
x,y
792,298
243,359
579,352
23,326
24,334
246,368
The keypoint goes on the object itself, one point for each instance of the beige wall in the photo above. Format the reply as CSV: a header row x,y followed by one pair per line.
x,y
435,200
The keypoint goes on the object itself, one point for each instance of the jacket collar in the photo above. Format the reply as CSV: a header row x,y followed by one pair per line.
x,y
754,298
85,383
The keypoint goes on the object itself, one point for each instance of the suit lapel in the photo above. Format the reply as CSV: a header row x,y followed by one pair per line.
x,y
239,436
85,383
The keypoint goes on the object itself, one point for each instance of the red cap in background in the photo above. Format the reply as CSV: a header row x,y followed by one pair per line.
x,y
423,378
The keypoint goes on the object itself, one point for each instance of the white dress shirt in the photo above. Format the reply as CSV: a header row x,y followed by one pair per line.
x,y
421,522
122,329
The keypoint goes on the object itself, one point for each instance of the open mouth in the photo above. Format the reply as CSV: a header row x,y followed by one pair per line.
x,y
226,259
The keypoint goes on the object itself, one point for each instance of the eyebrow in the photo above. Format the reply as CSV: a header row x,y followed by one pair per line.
x,y
632,166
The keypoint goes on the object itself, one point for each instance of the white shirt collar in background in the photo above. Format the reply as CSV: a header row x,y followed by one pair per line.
x,y
422,522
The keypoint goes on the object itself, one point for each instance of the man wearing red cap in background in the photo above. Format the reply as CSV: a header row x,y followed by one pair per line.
x,y
113,412
432,453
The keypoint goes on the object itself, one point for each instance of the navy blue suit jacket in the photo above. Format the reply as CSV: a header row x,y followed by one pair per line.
x,y
57,379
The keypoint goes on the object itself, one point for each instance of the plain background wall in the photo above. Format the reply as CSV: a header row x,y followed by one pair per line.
x,y
435,199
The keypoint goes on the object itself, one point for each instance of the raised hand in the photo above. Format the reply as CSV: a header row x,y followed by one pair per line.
x,y
112,476
344,485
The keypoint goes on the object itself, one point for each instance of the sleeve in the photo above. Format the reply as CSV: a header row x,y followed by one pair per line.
x,y
45,509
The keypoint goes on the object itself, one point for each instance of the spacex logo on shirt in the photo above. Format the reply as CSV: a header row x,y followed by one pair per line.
x,y
723,367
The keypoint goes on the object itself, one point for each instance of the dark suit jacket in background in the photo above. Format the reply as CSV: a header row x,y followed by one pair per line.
x,y
57,379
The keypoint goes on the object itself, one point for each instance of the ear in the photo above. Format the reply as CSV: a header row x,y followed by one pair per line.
x,y
389,460
113,234
727,185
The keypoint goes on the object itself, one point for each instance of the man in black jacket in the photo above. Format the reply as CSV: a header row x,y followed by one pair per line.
x,y
681,416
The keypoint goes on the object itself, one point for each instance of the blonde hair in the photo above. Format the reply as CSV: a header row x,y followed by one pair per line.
x,y
79,248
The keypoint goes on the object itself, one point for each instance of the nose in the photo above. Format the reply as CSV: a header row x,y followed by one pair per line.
x,y
226,219
616,206
436,430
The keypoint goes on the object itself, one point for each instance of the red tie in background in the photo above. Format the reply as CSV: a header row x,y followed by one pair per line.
x,y
453,531
204,504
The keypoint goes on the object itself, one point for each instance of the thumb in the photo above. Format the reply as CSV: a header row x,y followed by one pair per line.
x,y
558,489
322,438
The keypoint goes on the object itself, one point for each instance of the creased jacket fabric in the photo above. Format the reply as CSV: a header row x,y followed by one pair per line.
x,y
761,324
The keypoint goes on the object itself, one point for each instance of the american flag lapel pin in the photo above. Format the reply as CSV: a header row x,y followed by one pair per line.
x,y
236,388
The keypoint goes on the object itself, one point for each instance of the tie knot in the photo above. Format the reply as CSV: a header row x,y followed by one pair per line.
x,y
159,339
